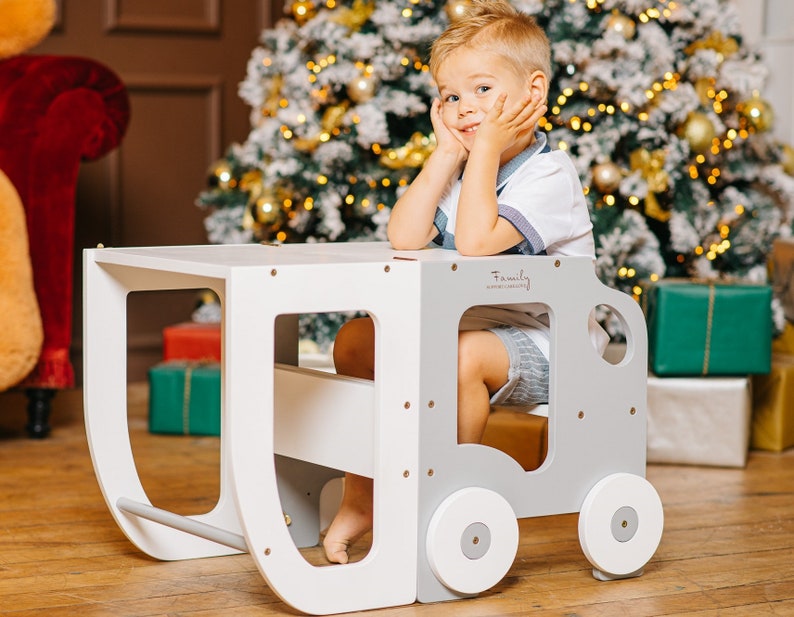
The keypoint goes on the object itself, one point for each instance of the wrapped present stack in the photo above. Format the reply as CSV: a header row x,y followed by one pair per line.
x,y
773,394
185,388
705,341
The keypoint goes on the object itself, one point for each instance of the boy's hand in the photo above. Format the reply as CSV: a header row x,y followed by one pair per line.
x,y
505,125
446,140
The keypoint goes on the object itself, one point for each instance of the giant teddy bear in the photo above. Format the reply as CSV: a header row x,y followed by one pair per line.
x,y
23,23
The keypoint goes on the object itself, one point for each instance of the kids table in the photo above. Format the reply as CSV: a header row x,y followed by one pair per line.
x,y
444,514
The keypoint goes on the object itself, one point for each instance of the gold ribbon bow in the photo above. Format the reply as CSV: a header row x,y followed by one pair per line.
x,y
725,46
413,154
357,15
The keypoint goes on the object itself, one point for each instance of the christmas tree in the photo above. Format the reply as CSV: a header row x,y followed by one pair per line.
x,y
658,102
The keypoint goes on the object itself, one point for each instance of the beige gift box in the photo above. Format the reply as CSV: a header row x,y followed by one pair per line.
x,y
699,420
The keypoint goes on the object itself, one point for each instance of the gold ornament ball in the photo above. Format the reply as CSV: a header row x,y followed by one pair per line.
x,y
303,11
362,88
220,175
699,131
788,159
756,113
622,24
456,9
267,212
606,177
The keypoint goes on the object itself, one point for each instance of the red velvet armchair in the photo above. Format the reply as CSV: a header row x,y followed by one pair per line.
x,y
55,111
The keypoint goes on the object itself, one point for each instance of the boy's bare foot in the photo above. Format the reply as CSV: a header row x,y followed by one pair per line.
x,y
353,520
348,526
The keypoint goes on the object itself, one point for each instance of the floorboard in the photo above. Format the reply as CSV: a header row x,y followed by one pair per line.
x,y
727,549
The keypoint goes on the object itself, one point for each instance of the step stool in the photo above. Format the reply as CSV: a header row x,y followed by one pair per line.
x,y
444,514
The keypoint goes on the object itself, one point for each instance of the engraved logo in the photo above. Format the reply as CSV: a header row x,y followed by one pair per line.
x,y
502,280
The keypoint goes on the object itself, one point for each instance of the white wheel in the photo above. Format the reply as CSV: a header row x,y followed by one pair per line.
x,y
472,540
620,524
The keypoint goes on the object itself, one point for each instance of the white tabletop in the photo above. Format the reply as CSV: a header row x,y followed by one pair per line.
x,y
257,255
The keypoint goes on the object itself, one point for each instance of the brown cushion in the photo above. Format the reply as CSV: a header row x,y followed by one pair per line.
x,y
521,435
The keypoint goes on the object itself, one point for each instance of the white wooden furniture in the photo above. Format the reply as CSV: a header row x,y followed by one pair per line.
x,y
445,514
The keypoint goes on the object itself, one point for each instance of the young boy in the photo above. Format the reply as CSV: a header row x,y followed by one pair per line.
x,y
491,186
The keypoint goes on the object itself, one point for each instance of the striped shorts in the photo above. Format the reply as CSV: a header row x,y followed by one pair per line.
x,y
528,376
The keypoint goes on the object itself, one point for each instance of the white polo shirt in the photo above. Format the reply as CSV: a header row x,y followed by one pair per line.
x,y
539,192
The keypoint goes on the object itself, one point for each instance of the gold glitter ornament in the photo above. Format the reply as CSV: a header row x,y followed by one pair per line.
x,y
333,116
756,113
331,120
699,131
456,9
607,177
650,164
305,144
622,24
271,104
251,181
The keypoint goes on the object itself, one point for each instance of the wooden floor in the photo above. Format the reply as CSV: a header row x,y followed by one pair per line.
x,y
727,550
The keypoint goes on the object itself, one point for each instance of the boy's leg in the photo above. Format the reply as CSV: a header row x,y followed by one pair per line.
x,y
483,366
354,349
354,356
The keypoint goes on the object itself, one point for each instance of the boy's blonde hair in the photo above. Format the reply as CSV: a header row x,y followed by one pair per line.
x,y
496,26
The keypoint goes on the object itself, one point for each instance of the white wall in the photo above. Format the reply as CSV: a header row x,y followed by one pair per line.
x,y
769,24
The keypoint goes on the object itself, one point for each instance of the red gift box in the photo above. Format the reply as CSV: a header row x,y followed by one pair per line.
x,y
192,341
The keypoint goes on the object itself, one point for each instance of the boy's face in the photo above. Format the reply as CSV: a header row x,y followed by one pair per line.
x,y
469,82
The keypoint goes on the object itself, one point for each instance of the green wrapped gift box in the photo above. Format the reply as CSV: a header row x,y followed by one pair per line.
x,y
708,328
185,398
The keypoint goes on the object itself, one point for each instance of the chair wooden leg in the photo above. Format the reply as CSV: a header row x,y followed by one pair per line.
x,y
39,405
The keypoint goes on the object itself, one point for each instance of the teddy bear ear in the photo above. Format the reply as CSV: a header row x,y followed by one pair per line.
x,y
23,24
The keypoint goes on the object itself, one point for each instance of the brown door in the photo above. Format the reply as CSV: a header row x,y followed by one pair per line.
x,y
181,61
